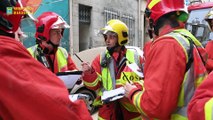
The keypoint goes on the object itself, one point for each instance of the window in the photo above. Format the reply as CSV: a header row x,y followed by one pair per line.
x,y
128,19
130,22
84,14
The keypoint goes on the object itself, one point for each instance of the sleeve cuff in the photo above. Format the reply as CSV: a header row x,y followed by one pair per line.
x,y
89,76
132,92
89,72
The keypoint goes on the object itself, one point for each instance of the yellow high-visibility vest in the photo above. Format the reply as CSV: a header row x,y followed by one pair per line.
x,y
109,81
61,56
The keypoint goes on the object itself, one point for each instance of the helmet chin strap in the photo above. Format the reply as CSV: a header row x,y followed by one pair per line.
x,y
54,45
112,49
47,50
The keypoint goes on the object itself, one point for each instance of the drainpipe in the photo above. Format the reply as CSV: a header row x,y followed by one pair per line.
x,y
139,24
143,6
71,27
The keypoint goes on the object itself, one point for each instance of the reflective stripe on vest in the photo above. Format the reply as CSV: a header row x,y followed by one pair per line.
x,y
61,55
209,110
187,33
108,73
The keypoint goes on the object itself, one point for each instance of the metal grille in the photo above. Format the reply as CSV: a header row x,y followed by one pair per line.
x,y
126,18
84,14
130,22
111,14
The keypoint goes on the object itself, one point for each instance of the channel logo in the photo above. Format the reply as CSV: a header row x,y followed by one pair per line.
x,y
18,10
9,10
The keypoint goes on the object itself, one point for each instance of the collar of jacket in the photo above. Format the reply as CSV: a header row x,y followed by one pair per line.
x,y
167,28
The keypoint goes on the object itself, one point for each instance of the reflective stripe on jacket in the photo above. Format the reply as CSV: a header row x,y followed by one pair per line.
x,y
208,110
61,56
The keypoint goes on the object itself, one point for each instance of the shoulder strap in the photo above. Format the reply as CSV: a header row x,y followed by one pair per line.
x,y
190,53
190,56
40,56
193,44
187,46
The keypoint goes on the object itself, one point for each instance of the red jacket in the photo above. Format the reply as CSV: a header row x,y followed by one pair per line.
x,y
164,73
90,77
29,91
209,49
202,94
107,111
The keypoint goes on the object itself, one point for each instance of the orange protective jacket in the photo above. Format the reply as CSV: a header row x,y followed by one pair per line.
x,y
164,72
30,91
107,111
202,96
209,49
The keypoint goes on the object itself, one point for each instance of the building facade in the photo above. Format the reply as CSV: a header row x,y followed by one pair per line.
x,y
89,16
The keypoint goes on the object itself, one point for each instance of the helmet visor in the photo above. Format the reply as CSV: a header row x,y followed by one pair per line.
x,y
106,29
110,35
60,23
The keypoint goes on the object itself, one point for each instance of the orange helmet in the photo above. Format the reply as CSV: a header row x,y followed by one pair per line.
x,y
46,22
157,8
9,21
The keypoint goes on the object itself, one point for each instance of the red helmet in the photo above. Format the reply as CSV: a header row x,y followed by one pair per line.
x,y
9,20
157,8
46,22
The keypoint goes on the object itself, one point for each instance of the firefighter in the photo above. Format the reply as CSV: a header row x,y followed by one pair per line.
x,y
200,107
49,32
209,45
28,90
109,70
171,73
